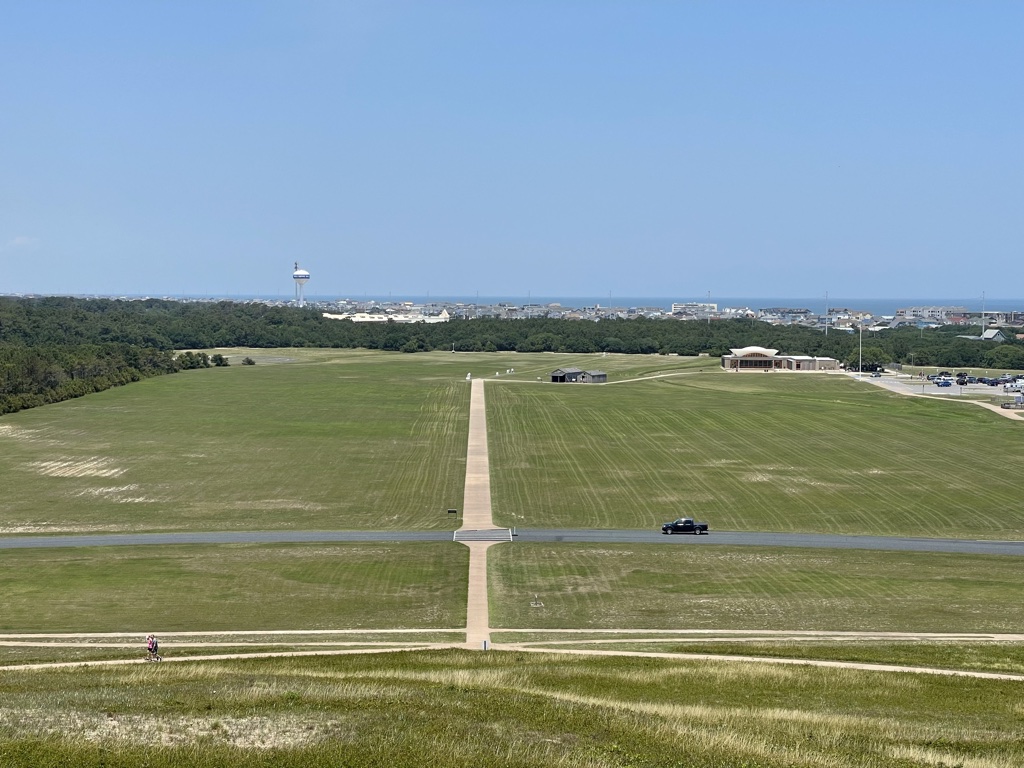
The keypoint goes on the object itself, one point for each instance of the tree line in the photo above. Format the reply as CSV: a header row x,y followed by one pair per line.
x,y
57,347
37,375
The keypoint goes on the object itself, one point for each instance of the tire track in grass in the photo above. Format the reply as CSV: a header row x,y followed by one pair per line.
x,y
507,444
518,457
659,476
743,456
438,422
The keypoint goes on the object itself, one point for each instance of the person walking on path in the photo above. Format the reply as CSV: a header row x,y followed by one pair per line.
x,y
152,648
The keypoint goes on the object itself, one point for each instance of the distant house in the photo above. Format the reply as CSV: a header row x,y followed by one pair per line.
x,y
563,375
992,334
764,359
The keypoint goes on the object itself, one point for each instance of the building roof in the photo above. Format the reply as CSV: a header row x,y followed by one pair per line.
x,y
750,351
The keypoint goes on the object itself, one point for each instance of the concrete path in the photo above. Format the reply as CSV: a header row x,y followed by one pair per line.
x,y
476,503
476,516
478,628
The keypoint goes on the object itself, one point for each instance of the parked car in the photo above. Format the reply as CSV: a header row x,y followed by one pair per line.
x,y
685,525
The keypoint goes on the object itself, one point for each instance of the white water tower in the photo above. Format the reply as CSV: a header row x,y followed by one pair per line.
x,y
301,277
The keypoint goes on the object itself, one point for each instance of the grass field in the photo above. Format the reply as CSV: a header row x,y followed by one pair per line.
x,y
480,710
636,586
234,587
753,452
305,439
330,439
325,441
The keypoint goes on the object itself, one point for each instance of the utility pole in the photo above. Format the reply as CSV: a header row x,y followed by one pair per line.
x,y
860,362
826,313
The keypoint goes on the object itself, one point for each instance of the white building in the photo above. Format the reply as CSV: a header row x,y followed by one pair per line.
x,y
764,359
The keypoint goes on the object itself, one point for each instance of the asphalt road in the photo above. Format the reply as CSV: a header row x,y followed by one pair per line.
x,y
731,538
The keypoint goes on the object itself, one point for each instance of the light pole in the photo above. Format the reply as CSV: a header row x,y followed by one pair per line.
x,y
860,362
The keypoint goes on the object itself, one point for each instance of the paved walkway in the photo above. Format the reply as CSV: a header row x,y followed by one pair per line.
x,y
476,503
476,516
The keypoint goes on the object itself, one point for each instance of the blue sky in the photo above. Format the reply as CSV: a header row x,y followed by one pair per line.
x,y
501,147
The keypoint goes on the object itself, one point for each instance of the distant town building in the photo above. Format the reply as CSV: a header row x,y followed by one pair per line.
x,y
409,316
785,315
693,308
936,314
992,334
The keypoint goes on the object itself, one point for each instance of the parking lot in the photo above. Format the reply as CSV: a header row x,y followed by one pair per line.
x,y
1010,404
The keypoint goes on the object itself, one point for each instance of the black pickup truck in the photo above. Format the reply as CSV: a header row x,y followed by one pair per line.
x,y
685,525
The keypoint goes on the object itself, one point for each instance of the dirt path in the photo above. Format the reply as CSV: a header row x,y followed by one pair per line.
x,y
531,648
767,660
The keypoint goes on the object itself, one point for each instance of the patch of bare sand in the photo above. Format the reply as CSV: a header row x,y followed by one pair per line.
x,y
95,466
275,504
46,527
116,494
245,732
107,491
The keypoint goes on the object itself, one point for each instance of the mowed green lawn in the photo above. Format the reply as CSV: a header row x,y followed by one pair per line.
x,y
305,439
753,452
620,586
317,440
207,588
336,439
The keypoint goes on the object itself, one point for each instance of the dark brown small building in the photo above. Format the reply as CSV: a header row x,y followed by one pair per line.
x,y
563,375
